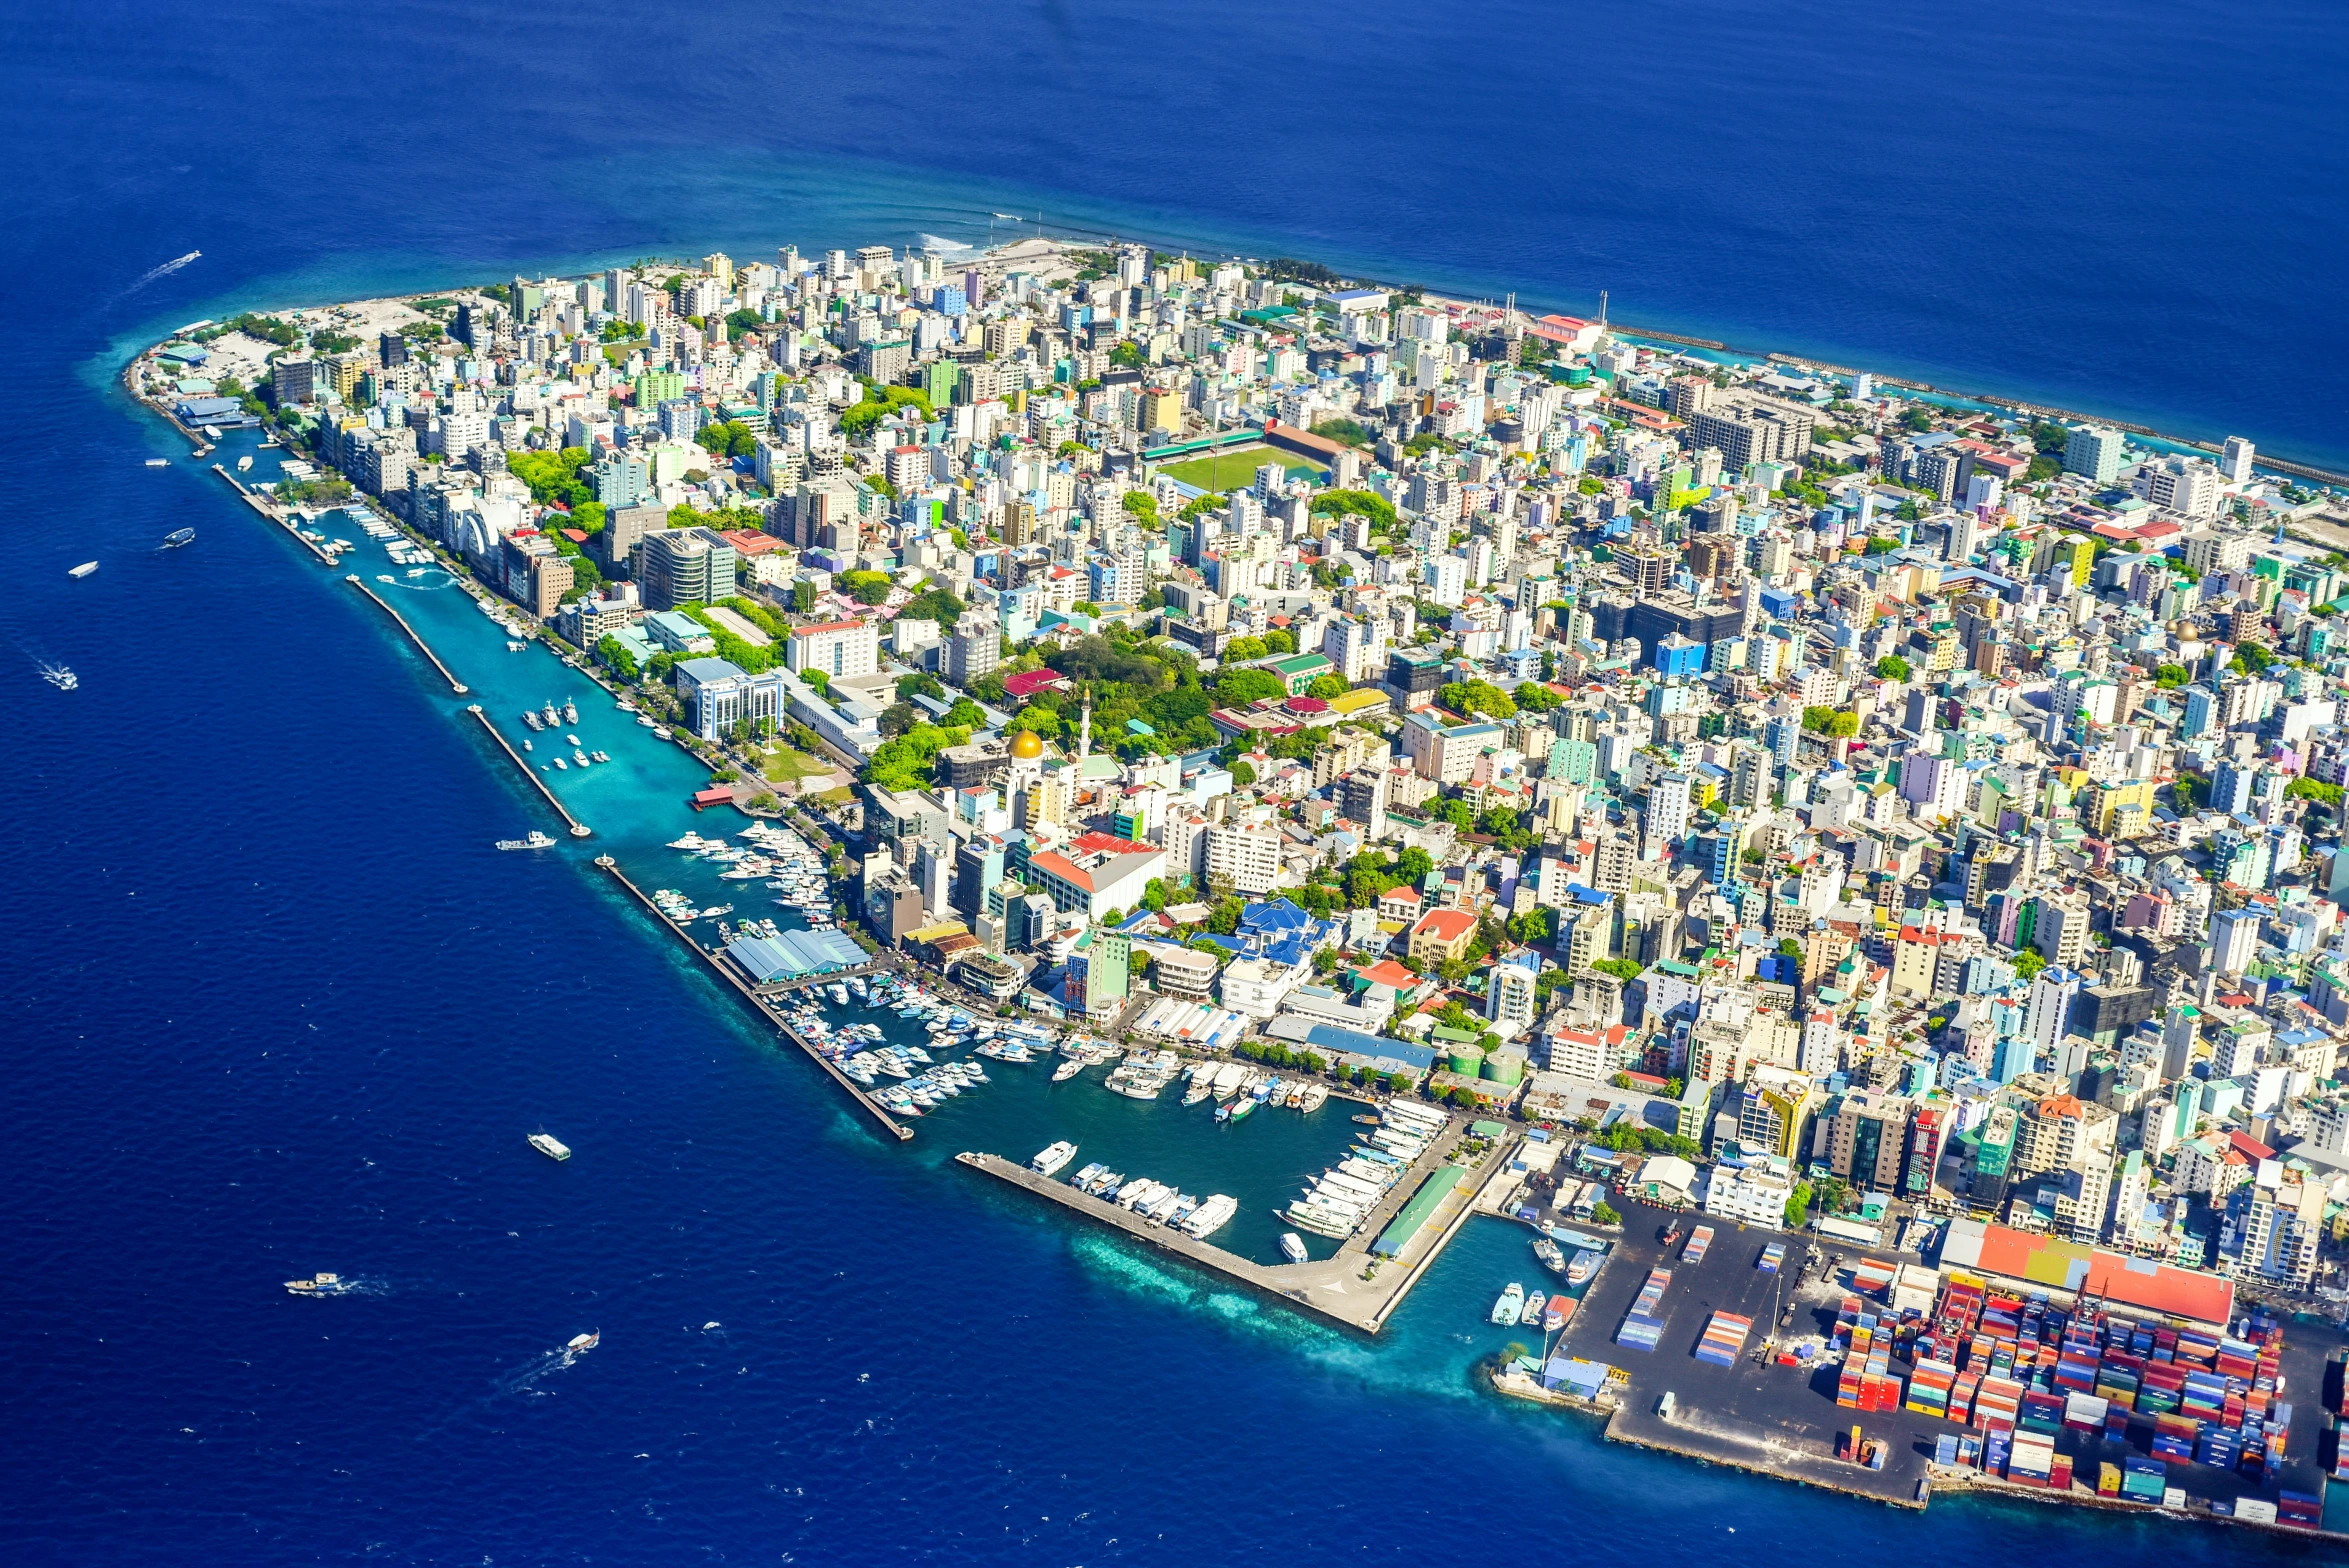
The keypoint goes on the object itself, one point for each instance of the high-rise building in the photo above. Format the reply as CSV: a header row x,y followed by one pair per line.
x,y
2235,460
2234,940
1362,797
685,566
2094,453
1667,814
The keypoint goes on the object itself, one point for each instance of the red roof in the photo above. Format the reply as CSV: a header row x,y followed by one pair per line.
x,y
2159,1287
1106,844
2252,1148
1445,925
1407,895
1387,972
1064,868
825,626
1028,682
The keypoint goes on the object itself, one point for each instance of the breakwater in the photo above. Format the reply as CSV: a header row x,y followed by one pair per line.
x,y
749,993
578,829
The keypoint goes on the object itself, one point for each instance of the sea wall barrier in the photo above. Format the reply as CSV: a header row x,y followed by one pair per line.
x,y
743,988
578,828
422,646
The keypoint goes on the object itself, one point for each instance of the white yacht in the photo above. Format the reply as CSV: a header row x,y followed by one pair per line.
x,y
1293,1247
1052,1160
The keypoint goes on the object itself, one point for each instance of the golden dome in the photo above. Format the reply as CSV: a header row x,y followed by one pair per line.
x,y
1027,745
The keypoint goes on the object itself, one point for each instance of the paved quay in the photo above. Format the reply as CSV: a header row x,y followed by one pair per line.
x,y
1335,1289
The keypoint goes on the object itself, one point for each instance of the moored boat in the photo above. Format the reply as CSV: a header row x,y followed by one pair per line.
x,y
1512,1303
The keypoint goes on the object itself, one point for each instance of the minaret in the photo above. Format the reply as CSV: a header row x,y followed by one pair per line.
x,y
1085,728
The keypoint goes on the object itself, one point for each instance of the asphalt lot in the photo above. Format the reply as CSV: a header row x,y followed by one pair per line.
x,y
1766,1416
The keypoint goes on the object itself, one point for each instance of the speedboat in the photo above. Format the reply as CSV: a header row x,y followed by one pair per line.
x,y
1507,1310
582,1343
1293,1247
178,537
315,1285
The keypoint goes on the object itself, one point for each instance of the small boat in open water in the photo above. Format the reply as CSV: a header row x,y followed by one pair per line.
x,y
83,570
583,1343
316,1285
549,1145
178,537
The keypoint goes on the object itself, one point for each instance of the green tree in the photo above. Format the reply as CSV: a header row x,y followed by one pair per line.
x,y
1481,697
1398,1083
1623,969
1603,1213
1413,865
1893,667
1833,723
616,656
2028,962
803,596
1238,688
1798,1206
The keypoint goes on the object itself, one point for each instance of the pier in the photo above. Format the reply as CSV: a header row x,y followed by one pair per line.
x,y
578,828
261,506
750,993
1351,1289
455,685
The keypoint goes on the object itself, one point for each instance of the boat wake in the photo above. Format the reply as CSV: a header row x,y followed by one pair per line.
x,y
524,1380
164,271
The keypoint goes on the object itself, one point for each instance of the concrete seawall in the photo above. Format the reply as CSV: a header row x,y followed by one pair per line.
x,y
401,621
727,972
578,829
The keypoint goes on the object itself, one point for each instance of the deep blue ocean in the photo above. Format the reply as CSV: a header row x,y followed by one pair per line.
x,y
272,1004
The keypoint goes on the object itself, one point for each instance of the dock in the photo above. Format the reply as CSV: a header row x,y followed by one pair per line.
x,y
750,993
261,506
455,685
1349,1290
578,828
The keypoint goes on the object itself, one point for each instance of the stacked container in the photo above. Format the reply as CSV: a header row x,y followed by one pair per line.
x,y
2142,1479
2300,1509
1643,1325
2030,1459
1929,1388
1723,1338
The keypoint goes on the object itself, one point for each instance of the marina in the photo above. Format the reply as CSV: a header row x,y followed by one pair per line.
x,y
578,828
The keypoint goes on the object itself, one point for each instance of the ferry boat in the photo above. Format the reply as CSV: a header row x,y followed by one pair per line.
x,y
83,570
549,1145
178,537
315,1285
1511,1305
1050,1161
1210,1217
1293,1247
536,840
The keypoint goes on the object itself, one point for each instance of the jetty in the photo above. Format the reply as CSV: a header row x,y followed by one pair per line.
x,y
257,504
578,829
1351,1289
751,993
455,685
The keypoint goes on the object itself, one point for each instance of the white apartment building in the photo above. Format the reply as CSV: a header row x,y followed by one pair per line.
x,y
837,648
1244,856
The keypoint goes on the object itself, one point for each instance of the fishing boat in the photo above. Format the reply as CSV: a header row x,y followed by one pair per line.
x,y
1293,1247
1241,1107
1050,1161
1511,1305
315,1285
1532,1311
549,1145
1557,1311
1546,1252
178,537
